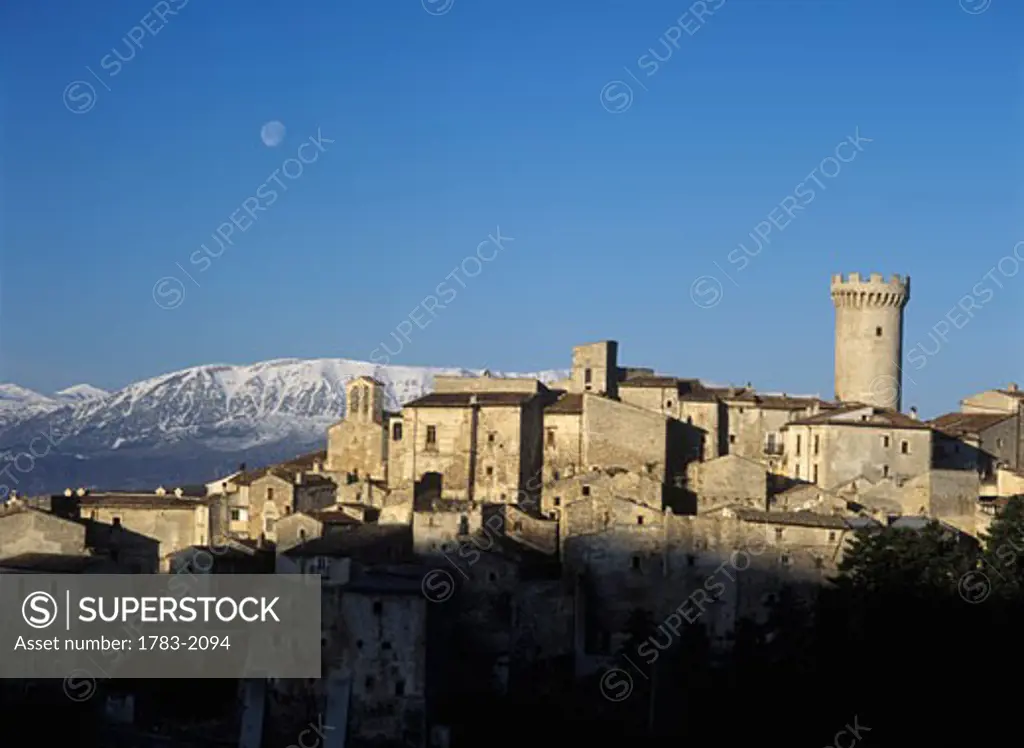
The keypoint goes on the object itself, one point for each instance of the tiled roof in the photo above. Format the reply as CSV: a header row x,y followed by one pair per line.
x,y
465,399
51,563
570,403
963,424
800,519
139,501
362,542
877,417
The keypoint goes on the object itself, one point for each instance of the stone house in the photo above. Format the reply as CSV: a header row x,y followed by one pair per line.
x,y
298,527
601,483
375,636
1009,400
343,550
726,481
855,440
754,423
147,528
474,439
265,496
981,442
27,530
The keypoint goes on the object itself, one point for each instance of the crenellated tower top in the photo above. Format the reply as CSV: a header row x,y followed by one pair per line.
x,y
857,291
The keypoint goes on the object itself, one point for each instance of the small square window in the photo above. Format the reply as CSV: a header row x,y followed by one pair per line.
x,y
905,447
431,434
832,536
586,490
385,646
635,563
490,438
778,533
396,432
558,501
378,608
639,519
691,560
878,332
490,470
400,688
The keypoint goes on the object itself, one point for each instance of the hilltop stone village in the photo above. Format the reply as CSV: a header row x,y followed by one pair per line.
x,y
529,520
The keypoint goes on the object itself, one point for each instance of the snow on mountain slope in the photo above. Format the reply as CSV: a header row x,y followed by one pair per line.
x,y
196,420
18,403
80,393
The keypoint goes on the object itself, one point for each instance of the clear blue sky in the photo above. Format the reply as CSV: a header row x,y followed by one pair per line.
x,y
449,126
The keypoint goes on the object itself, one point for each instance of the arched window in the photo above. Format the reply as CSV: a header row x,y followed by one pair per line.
x,y
355,404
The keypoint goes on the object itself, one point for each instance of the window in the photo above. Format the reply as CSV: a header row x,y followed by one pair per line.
x,y
378,607
905,447
689,420
369,682
236,515
999,443
490,438
785,559
817,443
586,490
386,646
690,559
302,536
555,475
878,332
832,536
400,688
668,403
396,432
885,442
355,399
490,471
732,438
815,478
517,527
431,435
270,494
558,501
885,471
116,521
551,437
464,525
778,533
798,440
586,376
796,470
639,519
635,563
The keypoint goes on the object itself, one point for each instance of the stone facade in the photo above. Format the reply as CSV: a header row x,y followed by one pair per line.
x,y
482,443
853,441
869,338
979,442
357,446
728,480
608,483
25,530
141,526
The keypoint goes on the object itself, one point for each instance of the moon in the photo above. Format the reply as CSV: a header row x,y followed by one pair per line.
x,y
272,133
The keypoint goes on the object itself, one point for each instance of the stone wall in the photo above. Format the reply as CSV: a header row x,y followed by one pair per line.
x,y
728,480
621,435
358,447
563,445
31,531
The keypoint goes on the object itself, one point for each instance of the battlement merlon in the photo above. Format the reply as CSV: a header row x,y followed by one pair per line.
x,y
874,290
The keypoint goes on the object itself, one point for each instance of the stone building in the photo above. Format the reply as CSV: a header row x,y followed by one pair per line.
x,y
375,636
268,495
27,530
855,441
869,338
714,568
1009,400
727,481
981,442
474,439
602,483
147,528
357,446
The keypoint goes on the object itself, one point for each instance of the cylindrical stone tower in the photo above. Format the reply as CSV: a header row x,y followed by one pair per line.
x,y
869,338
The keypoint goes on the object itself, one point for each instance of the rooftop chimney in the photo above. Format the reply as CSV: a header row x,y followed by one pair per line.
x,y
178,492
160,491
913,413
298,478
241,467
68,492
80,492
1012,387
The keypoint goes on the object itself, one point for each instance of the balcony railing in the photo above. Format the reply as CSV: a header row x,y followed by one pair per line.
x,y
773,449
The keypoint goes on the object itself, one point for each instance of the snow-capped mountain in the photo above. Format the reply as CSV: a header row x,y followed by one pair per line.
x,y
190,425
